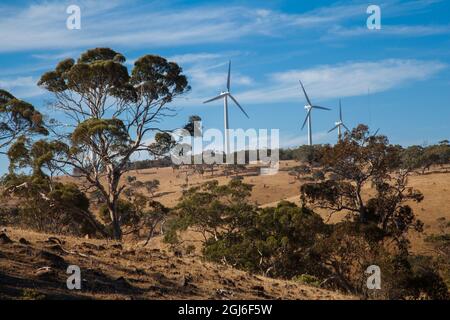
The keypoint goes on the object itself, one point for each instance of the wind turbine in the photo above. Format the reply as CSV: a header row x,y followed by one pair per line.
x,y
309,108
339,124
225,95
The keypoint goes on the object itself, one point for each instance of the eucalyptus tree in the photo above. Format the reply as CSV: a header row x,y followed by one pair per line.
x,y
111,114
17,118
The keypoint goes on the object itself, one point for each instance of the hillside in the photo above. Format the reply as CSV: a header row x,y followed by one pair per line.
x,y
128,271
269,190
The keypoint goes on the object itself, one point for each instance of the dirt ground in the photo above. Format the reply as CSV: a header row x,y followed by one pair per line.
x,y
33,266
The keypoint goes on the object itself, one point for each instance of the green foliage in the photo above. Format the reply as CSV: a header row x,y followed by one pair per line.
x,y
351,247
152,186
32,294
128,213
39,156
50,207
424,282
418,157
307,279
359,160
113,112
158,78
135,214
211,208
411,158
111,132
274,241
300,171
294,242
311,155
192,125
18,118
164,142
100,68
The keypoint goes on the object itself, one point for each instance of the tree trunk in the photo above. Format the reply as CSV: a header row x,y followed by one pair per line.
x,y
114,215
361,206
113,198
117,231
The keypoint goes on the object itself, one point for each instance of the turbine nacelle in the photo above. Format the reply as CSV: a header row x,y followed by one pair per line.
x,y
223,96
308,109
227,93
340,123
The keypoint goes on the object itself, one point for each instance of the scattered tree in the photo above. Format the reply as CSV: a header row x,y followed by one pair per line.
x,y
152,186
112,112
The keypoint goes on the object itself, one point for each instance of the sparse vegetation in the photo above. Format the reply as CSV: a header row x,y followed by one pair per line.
x,y
289,241
363,177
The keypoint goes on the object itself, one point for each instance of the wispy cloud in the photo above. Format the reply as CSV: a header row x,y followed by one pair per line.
x,y
55,56
339,32
342,80
42,26
207,74
21,87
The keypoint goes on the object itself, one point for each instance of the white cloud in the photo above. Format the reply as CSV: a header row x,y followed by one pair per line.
x,y
207,74
342,80
195,57
55,56
388,30
21,87
42,26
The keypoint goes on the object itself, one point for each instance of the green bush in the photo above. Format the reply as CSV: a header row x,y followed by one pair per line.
x,y
276,241
50,206
307,279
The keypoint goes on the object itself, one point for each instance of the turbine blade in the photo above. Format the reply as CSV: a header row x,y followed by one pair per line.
x,y
376,132
346,127
229,76
332,129
340,110
322,108
240,107
220,96
304,91
306,119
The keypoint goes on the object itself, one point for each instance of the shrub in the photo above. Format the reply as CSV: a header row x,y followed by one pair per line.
x,y
275,241
51,207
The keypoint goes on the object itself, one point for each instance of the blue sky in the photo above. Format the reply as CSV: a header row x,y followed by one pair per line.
x,y
396,79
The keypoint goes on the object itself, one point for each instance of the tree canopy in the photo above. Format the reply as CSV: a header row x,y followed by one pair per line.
x,y
113,112
18,118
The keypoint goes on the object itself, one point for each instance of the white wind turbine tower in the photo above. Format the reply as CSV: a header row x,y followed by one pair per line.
x,y
309,108
225,95
339,124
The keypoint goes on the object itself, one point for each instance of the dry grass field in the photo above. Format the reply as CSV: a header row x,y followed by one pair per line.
x,y
269,190
131,271
33,266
